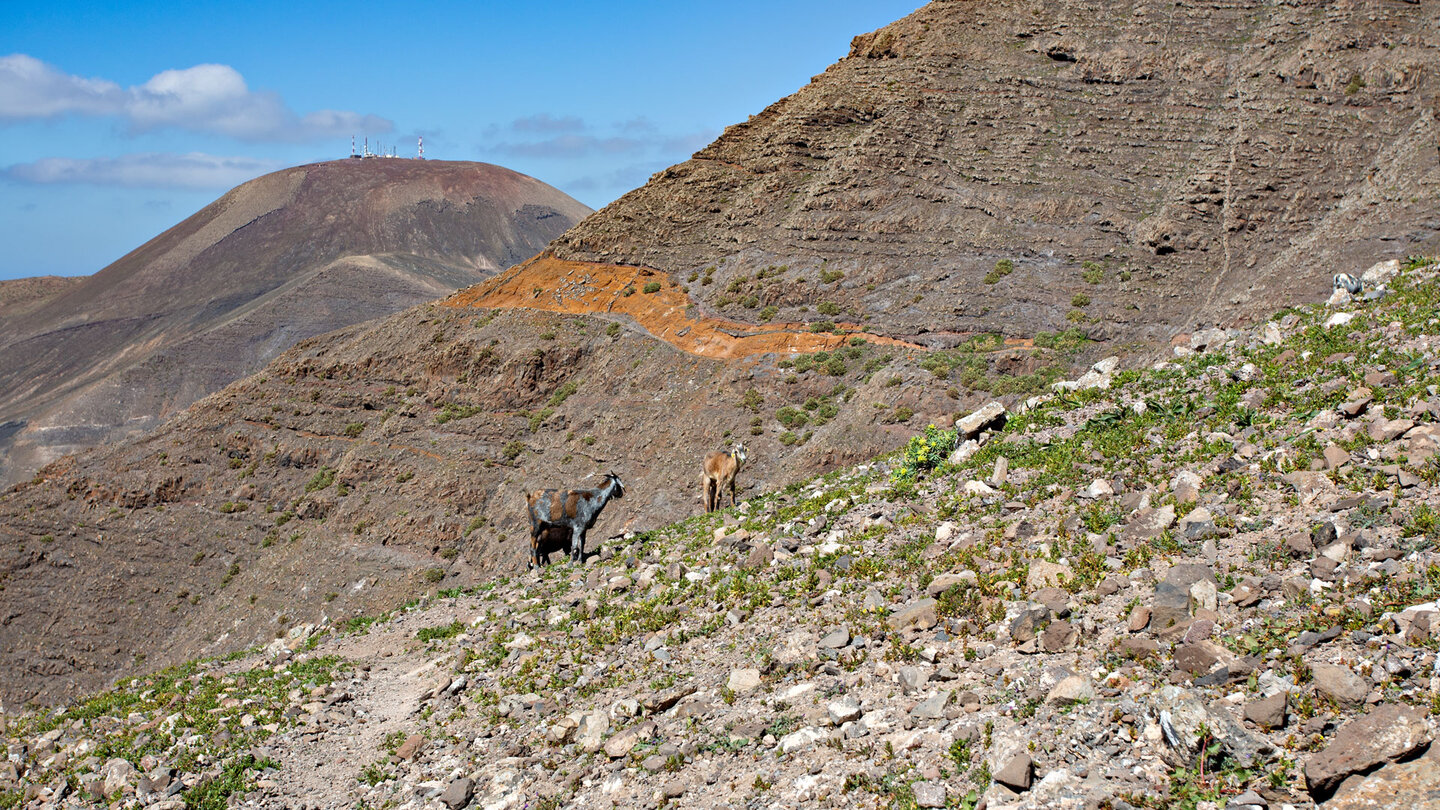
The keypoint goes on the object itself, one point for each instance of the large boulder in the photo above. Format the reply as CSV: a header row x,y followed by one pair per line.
x,y
1384,735
919,615
1404,784
1176,595
990,417
1187,724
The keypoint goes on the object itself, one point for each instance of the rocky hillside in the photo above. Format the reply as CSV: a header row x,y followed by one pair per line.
x,y
1133,169
982,198
1209,583
358,467
285,257
24,294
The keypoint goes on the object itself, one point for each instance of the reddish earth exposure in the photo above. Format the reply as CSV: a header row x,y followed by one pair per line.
x,y
587,288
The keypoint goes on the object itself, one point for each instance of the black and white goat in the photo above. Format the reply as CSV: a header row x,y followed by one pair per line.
x,y
1349,283
574,510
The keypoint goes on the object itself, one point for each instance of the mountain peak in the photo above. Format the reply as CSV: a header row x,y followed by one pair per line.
x,y
284,257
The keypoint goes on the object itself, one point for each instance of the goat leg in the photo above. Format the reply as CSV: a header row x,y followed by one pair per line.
x,y
577,546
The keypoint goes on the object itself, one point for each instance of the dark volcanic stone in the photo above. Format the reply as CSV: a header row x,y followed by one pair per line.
x,y
1268,713
1385,735
1017,773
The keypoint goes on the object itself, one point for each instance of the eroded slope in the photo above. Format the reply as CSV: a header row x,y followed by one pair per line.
x,y
1143,167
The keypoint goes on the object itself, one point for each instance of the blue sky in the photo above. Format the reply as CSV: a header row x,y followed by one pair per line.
x,y
118,120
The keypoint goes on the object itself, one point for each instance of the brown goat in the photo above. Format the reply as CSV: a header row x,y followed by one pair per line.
x,y
551,537
720,471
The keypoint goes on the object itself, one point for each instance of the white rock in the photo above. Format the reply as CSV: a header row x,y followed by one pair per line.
x,y
797,692
590,734
1381,272
802,739
1197,515
1187,477
1106,366
743,681
519,642
1071,690
844,710
1205,595
1336,551
978,488
967,448
977,421
1339,319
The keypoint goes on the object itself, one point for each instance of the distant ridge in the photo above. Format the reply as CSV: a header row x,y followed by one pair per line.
x,y
281,258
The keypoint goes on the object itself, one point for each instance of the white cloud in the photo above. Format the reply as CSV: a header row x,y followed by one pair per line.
x,y
145,170
204,98
30,88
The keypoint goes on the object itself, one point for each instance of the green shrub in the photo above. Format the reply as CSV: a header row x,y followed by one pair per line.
x,y
321,480
1070,340
538,418
563,392
830,276
1080,300
652,287
513,450
214,793
452,411
924,452
1002,268
440,632
829,308
354,429
792,417
822,326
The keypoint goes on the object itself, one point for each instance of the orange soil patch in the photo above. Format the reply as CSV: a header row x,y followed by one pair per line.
x,y
583,288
